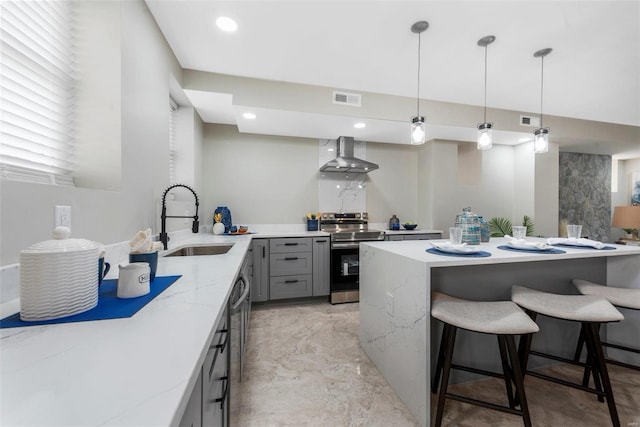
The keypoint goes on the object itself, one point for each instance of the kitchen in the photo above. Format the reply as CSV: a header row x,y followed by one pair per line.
x,y
424,183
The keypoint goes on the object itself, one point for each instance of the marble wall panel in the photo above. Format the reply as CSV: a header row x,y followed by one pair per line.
x,y
585,194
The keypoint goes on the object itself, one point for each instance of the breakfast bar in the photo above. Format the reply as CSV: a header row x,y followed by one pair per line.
x,y
397,278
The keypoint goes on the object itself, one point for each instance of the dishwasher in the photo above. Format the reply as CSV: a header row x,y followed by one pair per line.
x,y
240,303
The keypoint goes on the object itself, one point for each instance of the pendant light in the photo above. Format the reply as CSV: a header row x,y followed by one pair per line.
x,y
485,131
541,135
417,122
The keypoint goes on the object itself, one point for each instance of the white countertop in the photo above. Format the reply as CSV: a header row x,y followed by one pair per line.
x,y
132,371
414,231
416,249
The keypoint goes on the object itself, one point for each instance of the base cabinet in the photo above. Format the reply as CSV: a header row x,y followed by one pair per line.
x,y
260,279
413,236
192,416
321,266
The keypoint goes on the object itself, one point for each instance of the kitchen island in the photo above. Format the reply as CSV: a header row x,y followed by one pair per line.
x,y
396,280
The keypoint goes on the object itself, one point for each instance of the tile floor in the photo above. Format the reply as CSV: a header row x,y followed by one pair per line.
x,y
304,367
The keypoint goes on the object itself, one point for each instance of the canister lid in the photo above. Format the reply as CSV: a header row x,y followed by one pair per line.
x,y
61,243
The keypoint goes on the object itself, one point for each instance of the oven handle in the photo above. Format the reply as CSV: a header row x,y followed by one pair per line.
x,y
240,300
350,245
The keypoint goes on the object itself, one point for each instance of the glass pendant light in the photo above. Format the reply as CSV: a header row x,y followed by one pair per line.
x,y
417,122
541,135
485,131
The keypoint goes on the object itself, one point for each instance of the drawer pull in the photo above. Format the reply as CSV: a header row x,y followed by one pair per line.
x,y
291,281
224,394
291,244
291,258
321,241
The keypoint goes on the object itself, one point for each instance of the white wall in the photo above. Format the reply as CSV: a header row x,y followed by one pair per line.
x,y
26,210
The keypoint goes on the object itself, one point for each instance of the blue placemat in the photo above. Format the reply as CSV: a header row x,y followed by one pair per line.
x,y
606,248
533,251
109,305
480,254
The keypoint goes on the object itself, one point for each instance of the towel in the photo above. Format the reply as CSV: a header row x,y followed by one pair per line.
x,y
575,242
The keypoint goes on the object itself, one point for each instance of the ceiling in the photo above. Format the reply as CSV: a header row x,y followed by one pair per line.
x,y
593,72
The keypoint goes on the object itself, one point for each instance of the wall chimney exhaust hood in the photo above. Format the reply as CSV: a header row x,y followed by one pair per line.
x,y
345,161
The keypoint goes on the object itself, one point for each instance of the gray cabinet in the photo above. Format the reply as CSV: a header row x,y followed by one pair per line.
x,y
321,266
260,279
192,416
215,377
290,268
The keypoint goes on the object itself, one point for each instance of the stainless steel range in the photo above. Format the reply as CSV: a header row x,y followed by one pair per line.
x,y
347,231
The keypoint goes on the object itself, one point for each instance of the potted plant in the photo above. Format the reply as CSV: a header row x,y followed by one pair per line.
x,y
502,226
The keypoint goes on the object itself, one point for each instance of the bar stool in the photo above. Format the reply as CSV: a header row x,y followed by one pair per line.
x,y
621,298
590,311
502,318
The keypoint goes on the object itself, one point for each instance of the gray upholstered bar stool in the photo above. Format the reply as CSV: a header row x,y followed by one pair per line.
x,y
501,318
627,298
591,312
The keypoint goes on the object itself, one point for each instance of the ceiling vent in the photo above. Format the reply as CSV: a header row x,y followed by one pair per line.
x,y
345,98
530,121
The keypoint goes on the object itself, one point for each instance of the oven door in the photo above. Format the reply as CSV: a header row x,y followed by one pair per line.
x,y
345,273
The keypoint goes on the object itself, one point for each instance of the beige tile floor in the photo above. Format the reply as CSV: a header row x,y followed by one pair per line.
x,y
304,367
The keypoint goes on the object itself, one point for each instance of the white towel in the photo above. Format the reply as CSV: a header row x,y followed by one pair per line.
x,y
524,244
575,242
448,247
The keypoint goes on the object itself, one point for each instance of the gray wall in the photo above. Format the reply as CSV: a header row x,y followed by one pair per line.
x,y
585,193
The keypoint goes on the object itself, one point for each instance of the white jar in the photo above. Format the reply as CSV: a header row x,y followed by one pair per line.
x,y
59,277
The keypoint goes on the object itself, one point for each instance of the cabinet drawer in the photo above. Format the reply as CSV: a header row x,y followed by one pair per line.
x,y
291,286
393,237
290,264
288,245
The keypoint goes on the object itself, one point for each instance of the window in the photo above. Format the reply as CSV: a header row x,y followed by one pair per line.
x,y
36,85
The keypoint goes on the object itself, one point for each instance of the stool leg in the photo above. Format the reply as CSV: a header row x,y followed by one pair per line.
x,y
594,346
579,347
439,362
450,331
518,377
524,345
506,370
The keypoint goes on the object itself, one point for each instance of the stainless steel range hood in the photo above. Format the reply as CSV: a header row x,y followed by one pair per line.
x,y
345,161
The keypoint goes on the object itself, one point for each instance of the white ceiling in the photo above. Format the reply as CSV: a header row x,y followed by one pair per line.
x,y
593,72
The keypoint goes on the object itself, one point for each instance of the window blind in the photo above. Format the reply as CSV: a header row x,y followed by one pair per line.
x,y
36,85
173,108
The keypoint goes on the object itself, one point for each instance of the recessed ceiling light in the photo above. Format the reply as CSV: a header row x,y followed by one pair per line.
x,y
249,116
360,125
226,24
330,149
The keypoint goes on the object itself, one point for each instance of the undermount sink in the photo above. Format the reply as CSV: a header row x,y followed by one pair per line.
x,y
200,250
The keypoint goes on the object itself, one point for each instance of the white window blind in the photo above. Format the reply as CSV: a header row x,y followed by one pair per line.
x,y
36,91
173,108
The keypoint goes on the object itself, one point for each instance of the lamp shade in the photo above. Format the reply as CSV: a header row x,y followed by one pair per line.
x,y
417,130
626,217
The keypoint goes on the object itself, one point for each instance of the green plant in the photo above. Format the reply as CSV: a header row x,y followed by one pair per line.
x,y
502,226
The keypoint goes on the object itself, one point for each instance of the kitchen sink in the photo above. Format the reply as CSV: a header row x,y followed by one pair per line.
x,y
200,250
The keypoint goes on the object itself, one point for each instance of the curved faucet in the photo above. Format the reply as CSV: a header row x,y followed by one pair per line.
x,y
164,238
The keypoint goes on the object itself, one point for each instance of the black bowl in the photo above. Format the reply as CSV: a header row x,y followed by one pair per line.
x,y
409,226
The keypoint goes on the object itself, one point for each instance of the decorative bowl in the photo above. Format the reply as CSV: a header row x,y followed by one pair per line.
x,y
409,226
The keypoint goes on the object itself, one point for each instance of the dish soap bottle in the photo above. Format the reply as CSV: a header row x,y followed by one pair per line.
x,y
394,223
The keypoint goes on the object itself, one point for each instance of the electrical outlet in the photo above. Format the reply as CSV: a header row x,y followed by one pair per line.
x,y
62,216
389,303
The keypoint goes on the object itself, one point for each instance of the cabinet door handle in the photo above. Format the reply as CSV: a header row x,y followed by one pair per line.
x,y
291,258
264,249
321,241
291,281
222,398
291,244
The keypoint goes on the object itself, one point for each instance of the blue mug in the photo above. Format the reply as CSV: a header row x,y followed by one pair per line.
x,y
150,258
103,269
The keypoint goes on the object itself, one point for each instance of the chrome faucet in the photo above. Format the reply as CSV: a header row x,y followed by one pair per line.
x,y
164,238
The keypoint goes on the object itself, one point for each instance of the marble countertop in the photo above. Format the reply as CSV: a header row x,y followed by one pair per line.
x,y
416,249
123,372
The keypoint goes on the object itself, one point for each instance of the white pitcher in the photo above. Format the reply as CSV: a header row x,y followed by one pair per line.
x,y
133,280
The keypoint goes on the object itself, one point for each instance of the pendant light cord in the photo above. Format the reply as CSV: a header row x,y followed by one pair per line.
x,y
485,83
541,89
419,60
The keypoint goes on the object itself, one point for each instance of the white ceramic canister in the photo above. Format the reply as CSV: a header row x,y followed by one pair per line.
x,y
133,280
59,277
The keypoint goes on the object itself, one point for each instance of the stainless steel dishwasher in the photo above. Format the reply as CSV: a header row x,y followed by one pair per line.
x,y
240,303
